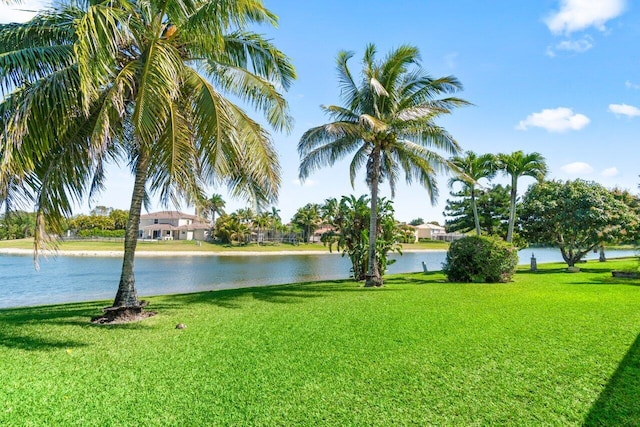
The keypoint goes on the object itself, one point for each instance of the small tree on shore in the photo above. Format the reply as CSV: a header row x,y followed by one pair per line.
x,y
350,232
574,216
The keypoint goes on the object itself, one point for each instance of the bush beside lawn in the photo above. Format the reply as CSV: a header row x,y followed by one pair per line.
x,y
549,348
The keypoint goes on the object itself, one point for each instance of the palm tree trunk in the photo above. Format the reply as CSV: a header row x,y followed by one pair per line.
x,y
512,208
476,218
127,295
373,277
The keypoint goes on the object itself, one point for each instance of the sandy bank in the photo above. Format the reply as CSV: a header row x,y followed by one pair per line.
x,y
144,253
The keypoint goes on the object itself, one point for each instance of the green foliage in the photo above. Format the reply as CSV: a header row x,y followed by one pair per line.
x,y
480,259
308,218
301,354
632,201
575,216
103,222
231,228
473,168
350,219
96,232
17,225
417,221
517,165
493,211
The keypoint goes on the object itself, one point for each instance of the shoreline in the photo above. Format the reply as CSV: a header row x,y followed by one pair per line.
x,y
160,254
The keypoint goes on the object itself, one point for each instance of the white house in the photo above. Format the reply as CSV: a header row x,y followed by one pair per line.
x,y
429,231
173,225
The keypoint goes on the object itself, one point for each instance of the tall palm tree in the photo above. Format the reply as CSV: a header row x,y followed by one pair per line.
x,y
516,165
87,83
474,168
387,119
215,205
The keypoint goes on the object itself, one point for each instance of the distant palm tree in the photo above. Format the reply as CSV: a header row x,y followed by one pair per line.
x,y
516,165
388,121
144,81
215,205
474,168
308,219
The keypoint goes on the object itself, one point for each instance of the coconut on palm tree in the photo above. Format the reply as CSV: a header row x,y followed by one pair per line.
x,y
474,168
144,82
387,120
516,165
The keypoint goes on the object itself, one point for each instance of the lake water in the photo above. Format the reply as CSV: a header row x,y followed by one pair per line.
x,y
74,279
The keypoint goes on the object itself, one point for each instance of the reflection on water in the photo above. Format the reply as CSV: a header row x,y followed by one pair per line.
x,y
69,279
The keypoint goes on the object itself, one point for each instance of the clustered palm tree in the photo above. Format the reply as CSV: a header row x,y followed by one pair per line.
x,y
144,82
387,121
515,165
474,167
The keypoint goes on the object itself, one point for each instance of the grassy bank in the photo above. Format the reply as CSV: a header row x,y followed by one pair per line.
x,y
192,246
551,348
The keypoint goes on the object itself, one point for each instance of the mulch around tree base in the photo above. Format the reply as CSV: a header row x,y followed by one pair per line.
x,y
116,315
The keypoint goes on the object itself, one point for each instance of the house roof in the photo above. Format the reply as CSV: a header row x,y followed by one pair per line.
x,y
169,215
430,227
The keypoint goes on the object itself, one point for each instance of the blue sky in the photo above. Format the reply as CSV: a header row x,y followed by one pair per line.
x,y
560,77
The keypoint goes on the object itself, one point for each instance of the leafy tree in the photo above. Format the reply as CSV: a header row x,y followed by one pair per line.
x,y
632,201
350,233
308,218
89,83
246,216
474,167
417,221
575,216
17,225
388,120
119,218
492,206
230,228
213,206
516,165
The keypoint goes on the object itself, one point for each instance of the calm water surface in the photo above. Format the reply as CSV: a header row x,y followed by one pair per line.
x,y
73,279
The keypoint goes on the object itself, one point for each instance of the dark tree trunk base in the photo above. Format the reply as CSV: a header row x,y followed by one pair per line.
x,y
626,274
115,315
373,282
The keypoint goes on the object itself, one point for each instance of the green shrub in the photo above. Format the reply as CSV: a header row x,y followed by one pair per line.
x,y
480,259
96,232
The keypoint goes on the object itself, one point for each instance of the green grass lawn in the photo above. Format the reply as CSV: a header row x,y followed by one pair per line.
x,y
192,246
551,348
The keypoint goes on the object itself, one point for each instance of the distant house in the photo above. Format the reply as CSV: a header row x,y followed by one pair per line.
x,y
435,232
173,225
429,231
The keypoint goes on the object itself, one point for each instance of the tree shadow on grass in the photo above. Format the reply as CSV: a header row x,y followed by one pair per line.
x,y
20,327
35,343
618,405
276,294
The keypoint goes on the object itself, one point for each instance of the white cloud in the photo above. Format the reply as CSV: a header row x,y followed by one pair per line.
x,y
306,183
613,171
624,109
577,15
630,85
577,168
577,46
20,12
555,120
